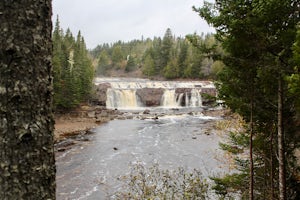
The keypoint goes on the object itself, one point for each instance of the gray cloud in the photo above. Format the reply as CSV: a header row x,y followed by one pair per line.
x,y
107,21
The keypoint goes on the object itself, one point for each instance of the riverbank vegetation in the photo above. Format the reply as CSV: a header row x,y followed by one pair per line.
x,y
260,81
156,183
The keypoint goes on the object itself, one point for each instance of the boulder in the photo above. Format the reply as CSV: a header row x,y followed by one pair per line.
x,y
146,112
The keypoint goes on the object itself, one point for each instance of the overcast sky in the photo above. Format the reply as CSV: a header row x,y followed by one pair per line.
x,y
107,21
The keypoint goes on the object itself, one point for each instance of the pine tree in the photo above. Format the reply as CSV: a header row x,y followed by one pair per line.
x,y
131,64
73,70
117,56
103,63
182,57
166,48
149,66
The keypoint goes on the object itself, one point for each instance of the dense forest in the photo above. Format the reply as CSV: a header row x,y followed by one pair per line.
x,y
168,57
73,69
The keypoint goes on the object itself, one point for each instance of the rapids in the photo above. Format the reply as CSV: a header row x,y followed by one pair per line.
x,y
92,169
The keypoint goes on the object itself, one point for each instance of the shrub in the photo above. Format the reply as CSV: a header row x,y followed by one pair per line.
x,y
155,183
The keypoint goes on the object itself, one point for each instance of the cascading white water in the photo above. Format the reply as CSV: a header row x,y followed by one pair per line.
x,y
122,93
121,98
169,99
195,100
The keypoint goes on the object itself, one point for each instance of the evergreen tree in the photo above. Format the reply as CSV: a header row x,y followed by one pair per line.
x,y
166,48
156,55
294,78
131,64
149,66
117,56
103,63
73,70
182,57
171,71
258,44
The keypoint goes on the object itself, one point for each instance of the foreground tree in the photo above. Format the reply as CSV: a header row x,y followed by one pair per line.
x,y
27,165
258,44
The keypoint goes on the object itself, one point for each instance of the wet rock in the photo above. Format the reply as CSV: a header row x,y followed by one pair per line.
x,y
146,112
129,117
206,132
101,93
102,120
89,132
150,96
83,139
155,117
91,114
191,113
121,117
64,145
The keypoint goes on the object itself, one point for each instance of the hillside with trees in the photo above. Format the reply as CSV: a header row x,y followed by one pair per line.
x,y
169,57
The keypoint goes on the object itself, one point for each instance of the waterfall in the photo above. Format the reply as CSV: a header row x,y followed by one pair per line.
x,y
123,98
195,100
169,99
137,93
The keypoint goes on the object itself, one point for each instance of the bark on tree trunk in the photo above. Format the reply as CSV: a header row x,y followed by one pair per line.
x,y
281,150
27,165
251,197
272,166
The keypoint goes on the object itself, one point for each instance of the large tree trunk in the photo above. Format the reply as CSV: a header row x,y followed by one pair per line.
x,y
27,165
281,149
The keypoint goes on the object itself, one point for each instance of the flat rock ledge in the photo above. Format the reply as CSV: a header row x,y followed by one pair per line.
x,y
80,121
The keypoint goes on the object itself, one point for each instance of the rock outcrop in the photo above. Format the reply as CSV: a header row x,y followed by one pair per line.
x,y
150,96
101,94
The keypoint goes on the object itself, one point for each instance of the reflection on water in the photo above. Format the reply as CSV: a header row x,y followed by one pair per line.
x,y
90,169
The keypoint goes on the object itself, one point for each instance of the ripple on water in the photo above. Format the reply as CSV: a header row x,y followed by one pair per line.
x,y
167,141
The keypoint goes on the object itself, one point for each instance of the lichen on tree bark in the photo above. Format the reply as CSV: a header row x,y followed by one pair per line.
x,y
27,164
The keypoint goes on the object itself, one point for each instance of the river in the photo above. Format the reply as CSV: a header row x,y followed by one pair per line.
x,y
174,134
91,169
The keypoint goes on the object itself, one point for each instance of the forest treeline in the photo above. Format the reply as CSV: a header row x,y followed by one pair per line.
x,y
169,57
72,69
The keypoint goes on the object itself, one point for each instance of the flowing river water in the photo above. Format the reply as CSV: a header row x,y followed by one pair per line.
x,y
182,137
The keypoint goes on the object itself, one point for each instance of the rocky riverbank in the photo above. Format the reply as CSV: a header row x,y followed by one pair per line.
x,y
81,120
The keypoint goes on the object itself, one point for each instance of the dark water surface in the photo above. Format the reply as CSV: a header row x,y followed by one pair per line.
x,y
90,169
